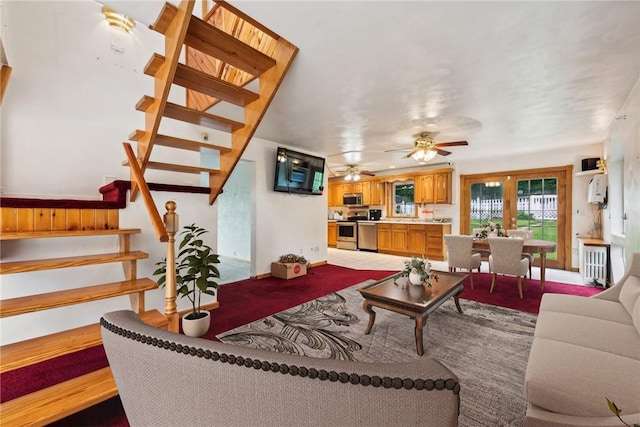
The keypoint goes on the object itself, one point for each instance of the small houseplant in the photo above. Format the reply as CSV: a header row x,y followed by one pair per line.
x,y
490,229
196,272
418,270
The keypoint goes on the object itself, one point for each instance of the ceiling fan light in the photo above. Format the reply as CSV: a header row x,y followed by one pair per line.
x,y
356,177
418,155
429,155
348,177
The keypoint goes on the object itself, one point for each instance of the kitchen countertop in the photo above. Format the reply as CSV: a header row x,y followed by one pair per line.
x,y
401,221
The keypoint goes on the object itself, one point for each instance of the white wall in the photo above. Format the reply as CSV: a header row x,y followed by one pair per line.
x,y
622,149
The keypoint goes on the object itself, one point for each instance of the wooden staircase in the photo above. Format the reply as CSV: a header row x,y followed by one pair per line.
x,y
224,52
68,397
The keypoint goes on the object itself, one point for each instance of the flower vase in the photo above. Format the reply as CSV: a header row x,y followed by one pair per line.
x,y
492,234
415,278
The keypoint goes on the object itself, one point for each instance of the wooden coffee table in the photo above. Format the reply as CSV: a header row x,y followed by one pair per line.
x,y
414,301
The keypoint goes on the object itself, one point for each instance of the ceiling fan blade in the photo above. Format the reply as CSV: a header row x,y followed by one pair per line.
x,y
344,152
442,152
451,144
411,153
397,149
367,173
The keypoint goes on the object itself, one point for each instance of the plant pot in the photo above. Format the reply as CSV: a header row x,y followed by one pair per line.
x,y
415,278
196,327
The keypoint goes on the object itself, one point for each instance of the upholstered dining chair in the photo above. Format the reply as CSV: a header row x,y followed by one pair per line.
x,y
526,235
506,258
460,254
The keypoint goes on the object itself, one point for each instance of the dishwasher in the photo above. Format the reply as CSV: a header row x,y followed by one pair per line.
x,y
367,236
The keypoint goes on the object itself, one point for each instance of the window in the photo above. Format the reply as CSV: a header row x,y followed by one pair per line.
x,y
403,201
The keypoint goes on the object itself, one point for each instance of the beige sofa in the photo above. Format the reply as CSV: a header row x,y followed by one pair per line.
x,y
166,379
584,351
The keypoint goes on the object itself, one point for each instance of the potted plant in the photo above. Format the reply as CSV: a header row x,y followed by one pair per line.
x,y
195,273
418,271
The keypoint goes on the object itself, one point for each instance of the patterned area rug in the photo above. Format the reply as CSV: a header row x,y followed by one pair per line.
x,y
486,346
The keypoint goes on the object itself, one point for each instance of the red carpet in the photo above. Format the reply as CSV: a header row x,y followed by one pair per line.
x,y
249,300
505,293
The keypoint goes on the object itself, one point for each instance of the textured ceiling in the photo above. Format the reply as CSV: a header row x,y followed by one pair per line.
x,y
509,77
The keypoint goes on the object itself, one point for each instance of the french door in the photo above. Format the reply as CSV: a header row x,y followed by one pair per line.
x,y
538,200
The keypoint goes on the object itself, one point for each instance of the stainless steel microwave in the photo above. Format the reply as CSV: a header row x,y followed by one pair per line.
x,y
352,199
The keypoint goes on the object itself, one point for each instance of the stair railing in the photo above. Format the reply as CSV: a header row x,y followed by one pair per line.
x,y
171,220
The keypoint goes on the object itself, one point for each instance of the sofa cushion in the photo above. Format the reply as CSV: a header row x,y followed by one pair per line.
x,y
592,307
575,380
603,335
629,295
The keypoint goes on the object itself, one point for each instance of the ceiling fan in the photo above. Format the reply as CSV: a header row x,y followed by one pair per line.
x,y
352,173
425,147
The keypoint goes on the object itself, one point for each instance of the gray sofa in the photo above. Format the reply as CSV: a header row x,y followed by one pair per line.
x,y
170,379
584,351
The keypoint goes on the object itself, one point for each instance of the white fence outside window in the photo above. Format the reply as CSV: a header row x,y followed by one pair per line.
x,y
541,207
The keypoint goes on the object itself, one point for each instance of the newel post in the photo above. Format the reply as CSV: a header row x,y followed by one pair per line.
x,y
171,224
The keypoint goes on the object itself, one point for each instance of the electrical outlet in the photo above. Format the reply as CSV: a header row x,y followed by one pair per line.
x,y
108,179
317,249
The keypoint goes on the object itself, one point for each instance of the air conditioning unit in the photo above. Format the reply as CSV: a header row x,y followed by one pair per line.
x,y
597,189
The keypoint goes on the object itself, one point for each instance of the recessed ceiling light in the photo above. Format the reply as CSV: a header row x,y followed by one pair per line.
x,y
392,167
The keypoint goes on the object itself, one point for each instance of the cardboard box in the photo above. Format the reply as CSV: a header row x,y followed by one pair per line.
x,y
288,270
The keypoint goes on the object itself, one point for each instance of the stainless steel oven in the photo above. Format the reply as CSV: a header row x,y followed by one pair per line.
x,y
347,235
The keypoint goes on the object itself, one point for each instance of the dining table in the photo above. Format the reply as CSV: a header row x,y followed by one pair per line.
x,y
531,246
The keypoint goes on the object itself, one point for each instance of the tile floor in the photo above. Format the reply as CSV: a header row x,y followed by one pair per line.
x,y
232,270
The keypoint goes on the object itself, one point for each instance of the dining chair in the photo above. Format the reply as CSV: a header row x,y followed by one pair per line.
x,y
506,258
526,235
460,254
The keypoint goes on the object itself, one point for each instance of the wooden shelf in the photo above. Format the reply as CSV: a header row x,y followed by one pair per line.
x,y
23,235
59,401
36,350
76,261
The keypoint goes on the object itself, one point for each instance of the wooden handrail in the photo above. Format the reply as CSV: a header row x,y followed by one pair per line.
x,y
152,210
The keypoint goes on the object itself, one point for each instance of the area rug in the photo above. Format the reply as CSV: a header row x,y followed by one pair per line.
x,y
486,346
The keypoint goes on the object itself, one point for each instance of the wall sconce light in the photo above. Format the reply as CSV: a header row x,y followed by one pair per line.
x,y
117,20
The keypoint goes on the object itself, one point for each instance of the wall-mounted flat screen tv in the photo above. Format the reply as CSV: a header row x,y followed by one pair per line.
x,y
298,173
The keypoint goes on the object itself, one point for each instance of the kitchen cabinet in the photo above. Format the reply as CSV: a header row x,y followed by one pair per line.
x,y
409,239
332,234
399,237
442,190
416,239
436,248
365,189
433,188
376,193
384,237
424,188
337,189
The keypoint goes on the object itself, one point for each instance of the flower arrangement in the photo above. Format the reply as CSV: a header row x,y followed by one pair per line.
x,y
491,227
420,266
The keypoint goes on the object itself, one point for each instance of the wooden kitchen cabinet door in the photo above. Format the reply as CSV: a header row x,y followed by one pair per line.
x,y
417,239
384,237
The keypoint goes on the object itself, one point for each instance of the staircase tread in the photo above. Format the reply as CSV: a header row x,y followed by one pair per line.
x,y
175,142
61,400
202,82
23,235
74,261
189,115
36,350
214,42
170,167
46,301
